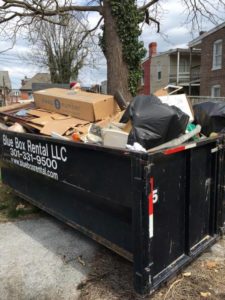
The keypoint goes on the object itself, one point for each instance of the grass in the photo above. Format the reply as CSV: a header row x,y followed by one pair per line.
x,y
13,207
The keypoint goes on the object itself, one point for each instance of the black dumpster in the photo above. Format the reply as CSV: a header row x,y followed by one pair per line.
x,y
158,210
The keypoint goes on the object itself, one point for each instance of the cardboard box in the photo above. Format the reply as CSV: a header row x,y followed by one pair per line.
x,y
86,106
61,126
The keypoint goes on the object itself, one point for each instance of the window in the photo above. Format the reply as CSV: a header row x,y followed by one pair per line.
x,y
142,77
217,55
184,65
215,91
159,72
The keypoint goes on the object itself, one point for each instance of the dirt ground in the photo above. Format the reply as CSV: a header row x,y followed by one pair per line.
x,y
110,279
14,208
108,276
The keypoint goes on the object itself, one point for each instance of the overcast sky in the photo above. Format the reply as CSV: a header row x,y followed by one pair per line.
x,y
173,34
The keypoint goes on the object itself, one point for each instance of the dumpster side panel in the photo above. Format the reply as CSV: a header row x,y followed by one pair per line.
x,y
169,175
71,163
186,204
221,196
112,223
220,193
202,165
92,190
81,210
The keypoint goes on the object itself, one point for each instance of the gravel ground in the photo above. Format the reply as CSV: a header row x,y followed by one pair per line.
x,y
42,259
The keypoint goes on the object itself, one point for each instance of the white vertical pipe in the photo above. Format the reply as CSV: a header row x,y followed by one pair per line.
x,y
178,65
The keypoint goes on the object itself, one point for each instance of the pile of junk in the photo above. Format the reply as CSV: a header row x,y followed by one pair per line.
x,y
147,123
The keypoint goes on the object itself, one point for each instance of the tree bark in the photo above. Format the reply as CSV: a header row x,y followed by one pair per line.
x,y
117,69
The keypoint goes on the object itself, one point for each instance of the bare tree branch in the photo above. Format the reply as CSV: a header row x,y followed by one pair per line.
x,y
155,21
147,5
61,49
90,31
197,11
17,14
33,6
6,50
12,9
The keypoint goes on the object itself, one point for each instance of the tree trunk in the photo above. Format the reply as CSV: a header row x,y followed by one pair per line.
x,y
117,69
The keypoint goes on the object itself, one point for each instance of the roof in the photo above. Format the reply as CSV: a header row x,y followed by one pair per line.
x,y
45,85
174,51
171,52
4,79
199,39
38,78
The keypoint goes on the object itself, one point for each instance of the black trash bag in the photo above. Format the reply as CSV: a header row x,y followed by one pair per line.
x,y
210,115
126,116
154,123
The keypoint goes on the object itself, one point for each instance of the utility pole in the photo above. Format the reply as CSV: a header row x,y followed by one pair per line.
x,y
4,100
190,71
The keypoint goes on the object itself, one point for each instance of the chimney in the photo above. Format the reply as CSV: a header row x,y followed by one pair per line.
x,y
152,49
23,81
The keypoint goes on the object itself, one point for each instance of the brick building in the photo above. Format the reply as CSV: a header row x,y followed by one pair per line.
x,y
212,69
146,65
171,67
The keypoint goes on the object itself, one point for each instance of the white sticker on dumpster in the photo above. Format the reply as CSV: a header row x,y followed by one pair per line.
x,y
150,209
39,157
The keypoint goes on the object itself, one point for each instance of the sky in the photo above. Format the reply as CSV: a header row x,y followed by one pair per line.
x,y
173,34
